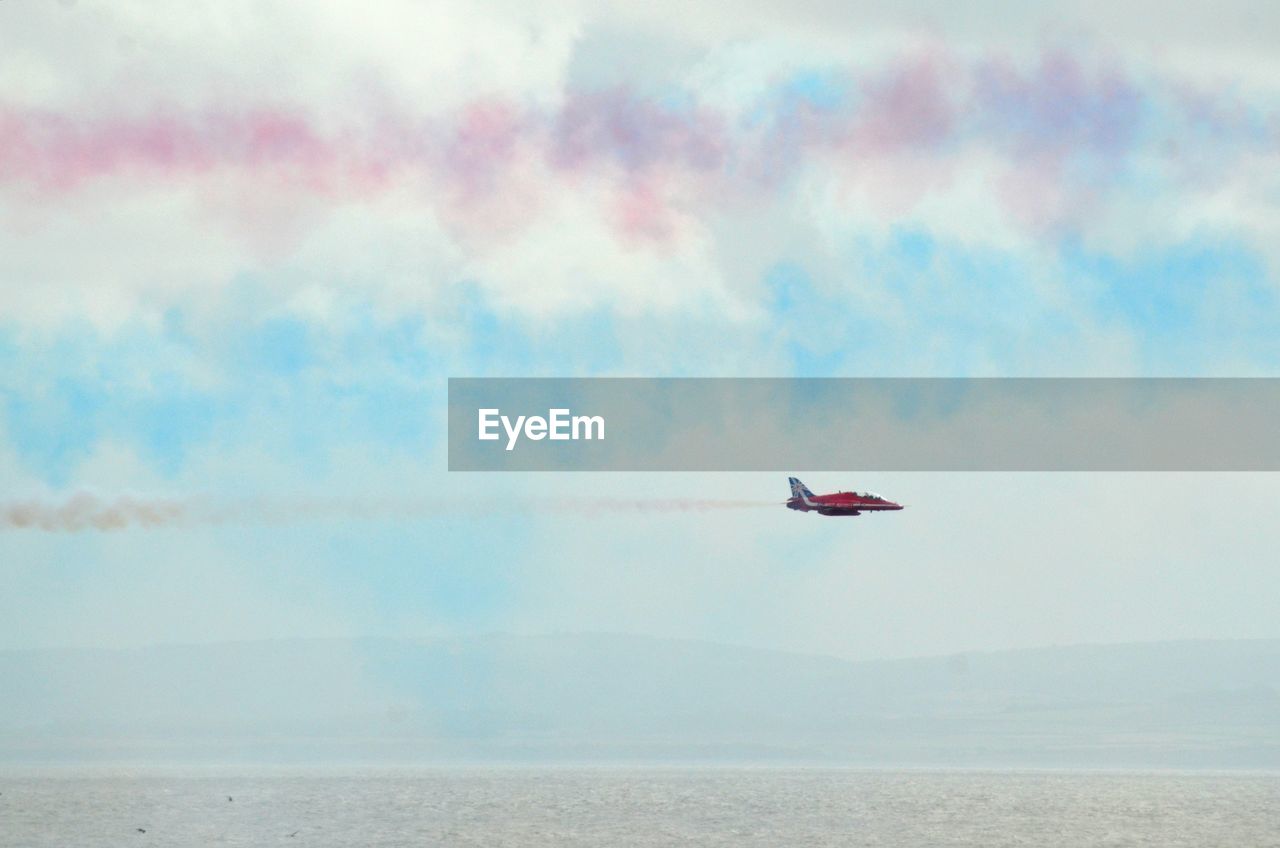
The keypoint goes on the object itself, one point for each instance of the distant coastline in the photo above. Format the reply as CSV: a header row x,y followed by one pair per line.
x,y
615,699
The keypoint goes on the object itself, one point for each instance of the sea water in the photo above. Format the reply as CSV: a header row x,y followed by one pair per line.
x,y
619,806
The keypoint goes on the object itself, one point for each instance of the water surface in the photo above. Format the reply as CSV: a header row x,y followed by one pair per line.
x,y
614,806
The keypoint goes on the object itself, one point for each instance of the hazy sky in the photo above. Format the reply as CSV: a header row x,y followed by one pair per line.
x,y
243,244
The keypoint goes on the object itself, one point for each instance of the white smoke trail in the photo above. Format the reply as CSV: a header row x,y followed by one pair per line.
x,y
85,511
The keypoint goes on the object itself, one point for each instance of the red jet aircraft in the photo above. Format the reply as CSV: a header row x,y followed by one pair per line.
x,y
841,503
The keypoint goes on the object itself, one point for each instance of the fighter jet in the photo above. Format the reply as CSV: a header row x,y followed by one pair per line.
x,y
840,503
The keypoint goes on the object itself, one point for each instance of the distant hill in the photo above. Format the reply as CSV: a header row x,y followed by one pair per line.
x,y
594,697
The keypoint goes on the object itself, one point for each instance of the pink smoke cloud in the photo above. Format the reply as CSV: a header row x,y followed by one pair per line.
x,y
619,129
490,167
1057,106
907,106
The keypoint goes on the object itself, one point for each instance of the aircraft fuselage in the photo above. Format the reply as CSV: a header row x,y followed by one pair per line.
x,y
838,503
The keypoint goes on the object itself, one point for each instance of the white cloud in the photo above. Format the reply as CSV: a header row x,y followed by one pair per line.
x,y
425,53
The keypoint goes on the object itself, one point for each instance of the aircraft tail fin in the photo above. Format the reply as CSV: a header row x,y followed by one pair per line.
x,y
798,489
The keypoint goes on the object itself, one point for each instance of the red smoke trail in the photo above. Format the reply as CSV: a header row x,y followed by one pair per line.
x,y
85,511
653,505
